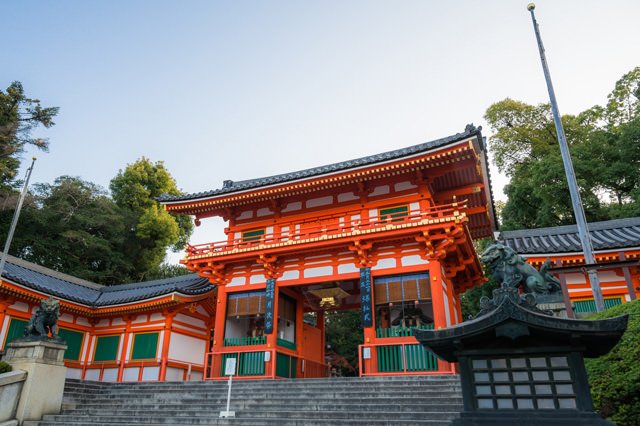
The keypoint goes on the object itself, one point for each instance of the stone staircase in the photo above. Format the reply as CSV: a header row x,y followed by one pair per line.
x,y
426,400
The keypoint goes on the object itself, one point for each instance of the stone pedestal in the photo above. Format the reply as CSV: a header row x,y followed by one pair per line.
x,y
43,360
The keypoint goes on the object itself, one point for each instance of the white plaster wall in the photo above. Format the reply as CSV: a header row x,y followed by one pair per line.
x,y
187,348
157,316
20,306
413,260
414,207
4,327
347,196
257,279
247,214
74,373
150,373
196,376
379,190
190,320
321,201
318,272
174,374
139,319
117,321
265,211
110,375
402,186
292,207
384,264
290,275
447,312
235,281
92,374
346,268
130,374
82,321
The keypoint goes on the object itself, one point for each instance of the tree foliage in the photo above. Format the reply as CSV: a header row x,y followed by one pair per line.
x,y
615,377
75,227
344,333
134,189
72,227
19,116
605,149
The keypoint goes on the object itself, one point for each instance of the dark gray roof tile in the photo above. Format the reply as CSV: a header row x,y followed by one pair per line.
x,y
231,186
90,294
605,235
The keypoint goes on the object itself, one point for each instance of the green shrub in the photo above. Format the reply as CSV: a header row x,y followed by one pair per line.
x,y
615,377
5,367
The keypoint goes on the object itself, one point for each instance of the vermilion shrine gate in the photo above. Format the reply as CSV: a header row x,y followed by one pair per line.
x,y
390,235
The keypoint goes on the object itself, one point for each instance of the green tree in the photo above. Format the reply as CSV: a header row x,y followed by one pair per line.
x,y
343,334
470,299
615,377
604,149
72,227
153,229
19,116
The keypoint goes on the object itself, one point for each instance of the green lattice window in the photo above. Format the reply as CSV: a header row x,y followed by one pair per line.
x,y
395,213
74,343
107,348
16,330
584,306
145,346
252,235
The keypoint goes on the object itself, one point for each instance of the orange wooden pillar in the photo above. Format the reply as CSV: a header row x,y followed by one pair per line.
x,y
168,324
218,331
4,306
437,303
299,332
125,345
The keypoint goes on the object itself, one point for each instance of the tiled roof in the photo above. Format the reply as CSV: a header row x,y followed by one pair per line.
x,y
606,235
230,186
87,293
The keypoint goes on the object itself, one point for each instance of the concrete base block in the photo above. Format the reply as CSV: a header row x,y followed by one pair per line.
x,y
43,360
10,390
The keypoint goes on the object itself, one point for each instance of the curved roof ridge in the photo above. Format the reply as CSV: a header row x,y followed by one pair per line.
x,y
606,234
68,287
230,186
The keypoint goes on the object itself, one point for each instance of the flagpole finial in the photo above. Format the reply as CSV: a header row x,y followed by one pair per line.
x,y
531,6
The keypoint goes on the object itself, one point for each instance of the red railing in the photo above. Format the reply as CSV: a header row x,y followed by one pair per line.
x,y
445,211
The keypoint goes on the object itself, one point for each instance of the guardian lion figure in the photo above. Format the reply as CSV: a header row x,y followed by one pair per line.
x,y
511,270
44,320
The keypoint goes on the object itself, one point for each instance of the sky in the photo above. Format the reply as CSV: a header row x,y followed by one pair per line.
x,y
243,89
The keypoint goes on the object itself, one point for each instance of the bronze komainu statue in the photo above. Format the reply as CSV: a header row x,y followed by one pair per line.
x,y
511,270
44,320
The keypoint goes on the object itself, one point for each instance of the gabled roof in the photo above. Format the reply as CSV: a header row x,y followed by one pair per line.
x,y
512,325
231,186
605,235
94,295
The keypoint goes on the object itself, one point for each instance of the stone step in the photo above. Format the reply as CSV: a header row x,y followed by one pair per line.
x,y
256,422
259,407
207,418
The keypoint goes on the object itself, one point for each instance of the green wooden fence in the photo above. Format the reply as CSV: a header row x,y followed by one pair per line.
x,y
400,331
585,306
247,364
245,341
286,344
416,357
285,366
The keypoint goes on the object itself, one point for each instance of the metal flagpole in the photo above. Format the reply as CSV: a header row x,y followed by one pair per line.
x,y
16,215
578,211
